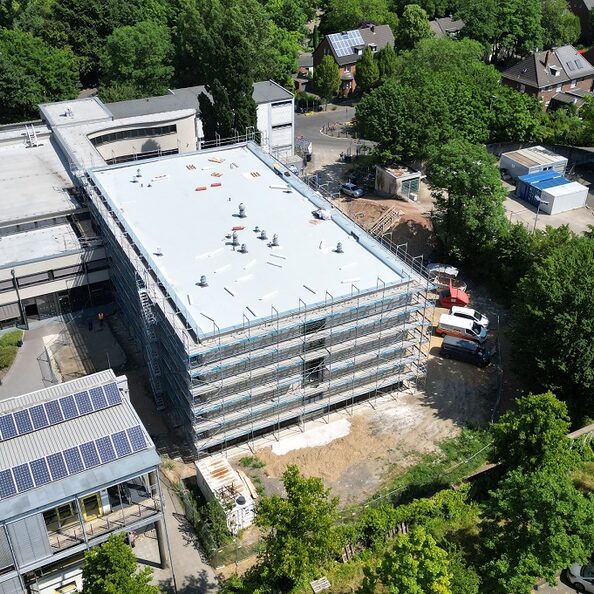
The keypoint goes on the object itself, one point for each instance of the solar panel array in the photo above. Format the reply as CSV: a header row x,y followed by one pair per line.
x,y
71,461
343,44
57,411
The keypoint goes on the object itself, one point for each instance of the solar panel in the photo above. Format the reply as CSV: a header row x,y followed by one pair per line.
x,y
579,64
105,449
122,446
54,412
112,394
137,439
23,422
40,472
7,427
22,477
83,402
57,466
98,398
7,486
89,454
38,416
74,462
343,44
571,66
69,407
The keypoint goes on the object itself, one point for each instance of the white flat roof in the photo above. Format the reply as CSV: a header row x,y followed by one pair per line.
x,y
192,230
32,182
564,189
76,111
37,244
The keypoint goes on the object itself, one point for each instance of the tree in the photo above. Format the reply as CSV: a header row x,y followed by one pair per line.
x,y
414,565
367,72
553,323
31,72
282,48
288,14
326,78
343,15
412,27
139,55
300,528
560,25
535,436
433,8
468,213
111,569
387,63
539,523
515,116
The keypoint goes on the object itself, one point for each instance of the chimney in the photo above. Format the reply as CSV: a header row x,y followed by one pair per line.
x,y
372,28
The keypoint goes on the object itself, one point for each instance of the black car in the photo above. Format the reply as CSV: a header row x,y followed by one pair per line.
x,y
465,350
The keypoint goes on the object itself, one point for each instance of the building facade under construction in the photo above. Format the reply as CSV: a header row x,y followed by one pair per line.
x,y
258,304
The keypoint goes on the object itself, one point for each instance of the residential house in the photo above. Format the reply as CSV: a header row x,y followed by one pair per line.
x,y
346,48
76,465
446,27
583,8
551,75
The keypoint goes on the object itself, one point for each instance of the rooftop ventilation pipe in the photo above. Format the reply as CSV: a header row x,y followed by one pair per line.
x,y
242,214
203,282
243,249
275,240
234,239
339,249
263,234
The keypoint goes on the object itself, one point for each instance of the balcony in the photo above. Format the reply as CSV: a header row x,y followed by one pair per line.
x,y
138,504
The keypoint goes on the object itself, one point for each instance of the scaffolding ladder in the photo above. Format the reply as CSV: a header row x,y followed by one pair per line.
x,y
150,346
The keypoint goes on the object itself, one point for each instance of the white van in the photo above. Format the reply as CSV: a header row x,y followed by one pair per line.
x,y
461,327
470,314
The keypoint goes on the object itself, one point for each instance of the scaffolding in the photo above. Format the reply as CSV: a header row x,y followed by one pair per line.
x,y
232,385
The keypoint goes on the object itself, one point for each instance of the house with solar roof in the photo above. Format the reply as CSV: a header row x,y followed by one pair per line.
x,y
347,48
76,465
560,76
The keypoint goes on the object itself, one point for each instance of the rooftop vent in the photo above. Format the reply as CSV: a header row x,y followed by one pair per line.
x,y
234,239
203,282
242,214
256,229
263,234
275,242
339,249
158,252
240,500
243,249
138,174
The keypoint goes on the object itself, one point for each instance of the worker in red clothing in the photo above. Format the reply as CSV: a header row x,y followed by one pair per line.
x,y
100,317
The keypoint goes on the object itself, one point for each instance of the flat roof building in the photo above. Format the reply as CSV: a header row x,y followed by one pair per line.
x,y
532,160
76,465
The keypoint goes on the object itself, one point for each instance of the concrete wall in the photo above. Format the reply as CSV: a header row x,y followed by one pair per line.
x,y
184,140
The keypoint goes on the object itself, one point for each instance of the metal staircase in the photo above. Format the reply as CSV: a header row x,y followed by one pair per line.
x,y
151,345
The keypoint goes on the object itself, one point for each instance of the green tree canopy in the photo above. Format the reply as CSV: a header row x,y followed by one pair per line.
x,y
343,15
111,568
560,25
387,63
31,72
412,27
553,323
414,565
539,524
468,213
139,55
367,72
535,436
433,8
503,26
300,532
326,78
290,15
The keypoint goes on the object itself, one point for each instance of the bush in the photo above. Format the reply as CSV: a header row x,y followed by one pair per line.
x,y
7,356
12,338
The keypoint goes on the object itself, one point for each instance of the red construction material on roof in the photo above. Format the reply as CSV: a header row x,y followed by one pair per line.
x,y
200,188
237,228
215,185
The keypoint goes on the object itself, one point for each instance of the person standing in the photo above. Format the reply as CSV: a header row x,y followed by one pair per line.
x,y
100,317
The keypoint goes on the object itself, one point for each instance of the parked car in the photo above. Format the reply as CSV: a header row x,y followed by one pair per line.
x,y
451,296
434,269
351,190
470,314
465,350
581,577
461,328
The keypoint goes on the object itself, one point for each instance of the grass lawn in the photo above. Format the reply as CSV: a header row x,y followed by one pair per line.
x,y
583,476
9,348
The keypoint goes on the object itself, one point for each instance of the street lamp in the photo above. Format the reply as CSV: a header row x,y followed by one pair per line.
x,y
539,202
